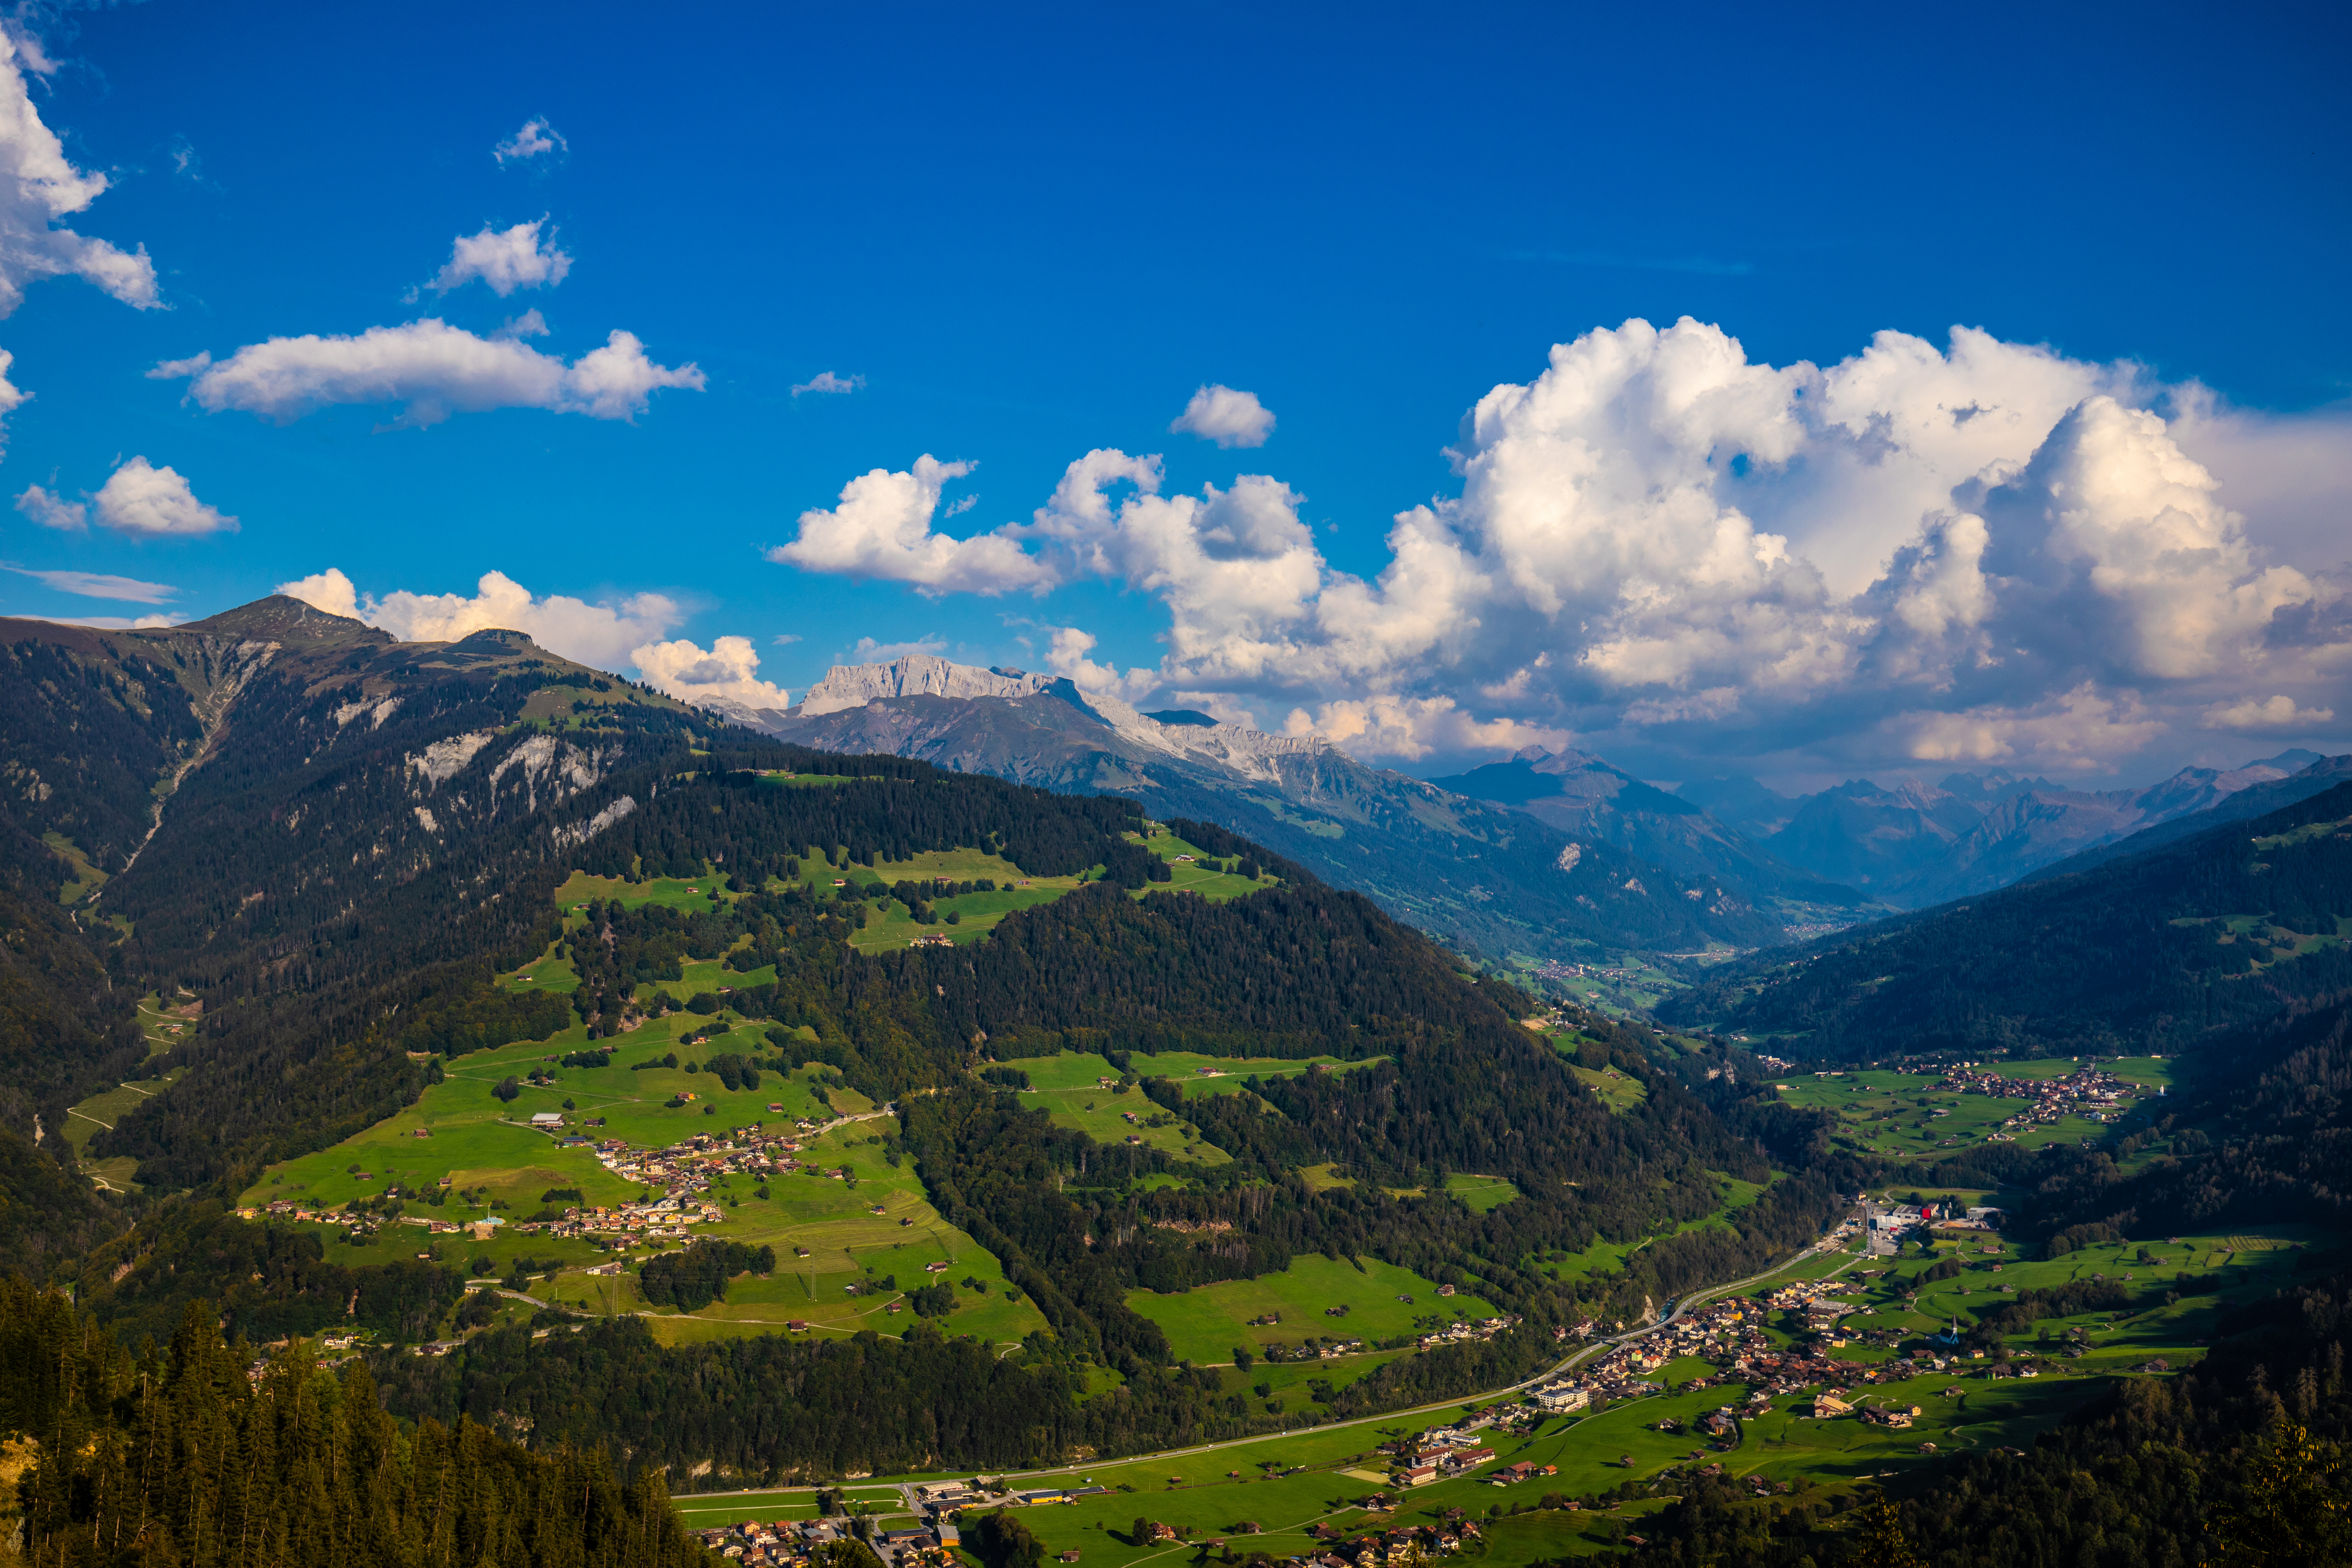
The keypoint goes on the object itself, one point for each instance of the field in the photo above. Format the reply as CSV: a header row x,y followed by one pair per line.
x,y
1617,1092
1481,1193
162,1030
497,1167
1905,1116
1288,1481
1206,1324
86,879
1080,1090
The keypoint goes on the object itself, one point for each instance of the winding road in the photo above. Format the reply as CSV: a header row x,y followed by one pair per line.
x,y
1683,1307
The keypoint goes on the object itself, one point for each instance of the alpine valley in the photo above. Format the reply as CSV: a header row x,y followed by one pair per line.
x,y
464,1107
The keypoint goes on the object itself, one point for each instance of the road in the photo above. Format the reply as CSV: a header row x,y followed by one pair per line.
x,y
1683,1307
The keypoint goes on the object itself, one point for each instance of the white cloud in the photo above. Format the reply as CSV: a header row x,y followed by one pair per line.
x,y
431,369
868,651
729,673
1411,728
1228,417
139,498
506,260
97,585
882,530
38,185
605,635
1983,551
52,511
536,139
786,639
11,397
2082,730
116,622
825,380
1066,656
530,324
330,591
2279,712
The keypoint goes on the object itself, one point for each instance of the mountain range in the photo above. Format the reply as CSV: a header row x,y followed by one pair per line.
x,y
1491,880
1913,844
1546,854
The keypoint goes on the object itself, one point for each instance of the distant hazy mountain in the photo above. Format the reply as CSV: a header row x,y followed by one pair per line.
x,y
1590,799
1495,879
2254,800
1916,844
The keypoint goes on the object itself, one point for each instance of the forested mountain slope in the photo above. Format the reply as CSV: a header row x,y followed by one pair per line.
x,y
2154,952
358,837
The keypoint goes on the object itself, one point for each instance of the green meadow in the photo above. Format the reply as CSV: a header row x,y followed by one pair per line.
x,y
1206,1324
1286,1482
1905,1116
161,1029
827,1233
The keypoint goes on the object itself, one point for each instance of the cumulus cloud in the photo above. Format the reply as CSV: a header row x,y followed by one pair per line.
x,y
535,140
727,673
1969,552
430,368
38,185
2280,712
1411,728
52,511
1228,417
505,260
139,498
606,635
330,591
825,380
1066,656
882,530
98,586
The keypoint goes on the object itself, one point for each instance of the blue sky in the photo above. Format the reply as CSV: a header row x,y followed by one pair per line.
x,y
1022,237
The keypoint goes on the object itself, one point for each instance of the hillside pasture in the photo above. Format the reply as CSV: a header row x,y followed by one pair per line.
x,y
1203,1324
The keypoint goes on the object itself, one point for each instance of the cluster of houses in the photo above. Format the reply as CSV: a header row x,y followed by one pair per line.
x,y
1396,1543
681,1174
1719,1330
792,1543
2090,1091
1437,1455
1466,1329
287,1208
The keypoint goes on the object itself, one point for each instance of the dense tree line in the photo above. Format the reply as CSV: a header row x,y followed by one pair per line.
x,y
173,1456
769,1409
692,1280
264,1282
2130,956
480,1018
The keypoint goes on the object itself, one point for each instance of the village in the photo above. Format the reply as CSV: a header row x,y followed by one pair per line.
x,y
2089,1091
